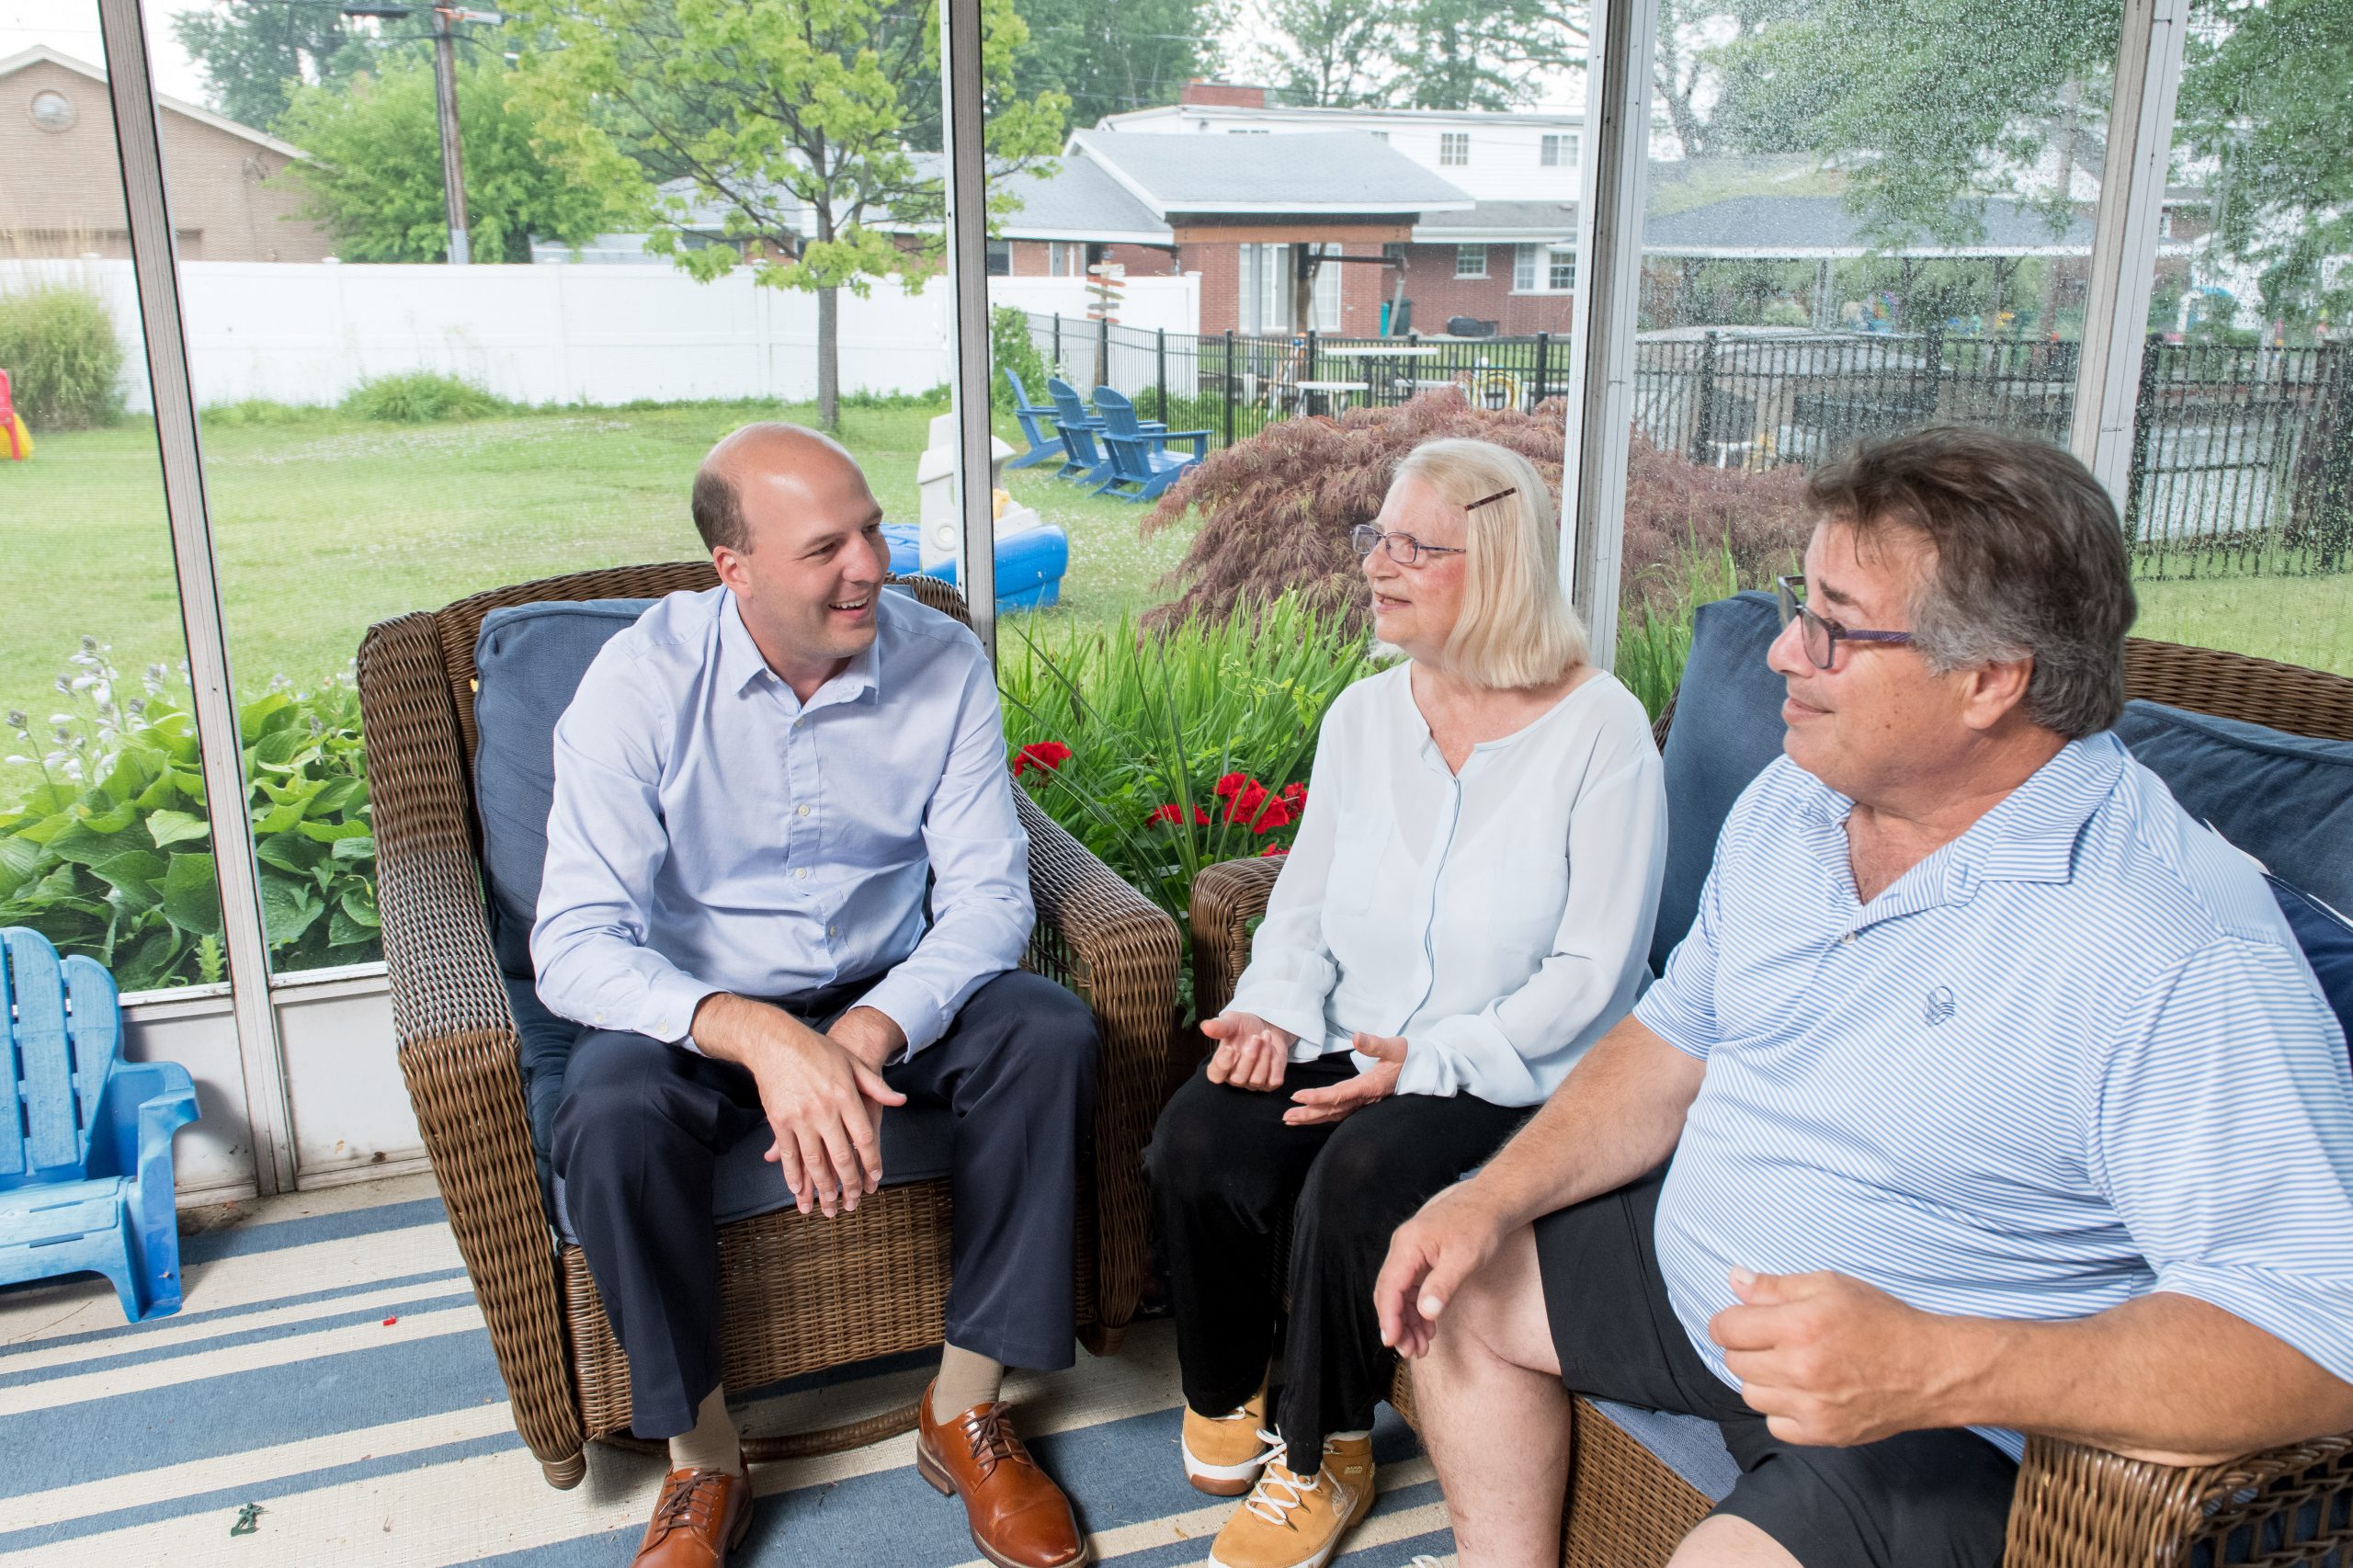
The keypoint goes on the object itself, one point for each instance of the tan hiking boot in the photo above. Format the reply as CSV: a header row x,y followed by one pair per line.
x,y
1225,1453
1294,1521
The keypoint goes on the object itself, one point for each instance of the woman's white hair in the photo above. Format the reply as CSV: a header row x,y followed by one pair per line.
x,y
1516,628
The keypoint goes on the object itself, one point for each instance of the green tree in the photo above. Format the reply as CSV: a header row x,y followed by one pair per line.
x,y
374,170
254,53
1110,59
2266,99
1331,53
792,118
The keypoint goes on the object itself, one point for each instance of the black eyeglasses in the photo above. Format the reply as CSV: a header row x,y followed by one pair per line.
x,y
1822,637
1403,549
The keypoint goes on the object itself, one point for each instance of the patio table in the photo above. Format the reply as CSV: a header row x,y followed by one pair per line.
x,y
1336,392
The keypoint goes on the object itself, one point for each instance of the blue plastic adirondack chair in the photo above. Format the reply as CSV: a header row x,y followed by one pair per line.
x,y
1142,465
1084,460
86,1149
1042,447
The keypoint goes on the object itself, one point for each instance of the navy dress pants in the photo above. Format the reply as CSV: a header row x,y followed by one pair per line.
x,y
642,1123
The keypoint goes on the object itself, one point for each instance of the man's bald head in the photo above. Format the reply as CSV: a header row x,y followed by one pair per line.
x,y
770,448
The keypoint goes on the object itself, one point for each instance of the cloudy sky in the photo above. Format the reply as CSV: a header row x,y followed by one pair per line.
x,y
71,27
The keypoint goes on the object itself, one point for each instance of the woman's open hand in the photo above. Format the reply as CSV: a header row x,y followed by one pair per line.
x,y
1251,1053
1314,1107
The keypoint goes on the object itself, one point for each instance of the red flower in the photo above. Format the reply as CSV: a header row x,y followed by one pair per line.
x,y
1295,797
1174,812
1046,755
1277,814
1243,805
1274,851
1231,784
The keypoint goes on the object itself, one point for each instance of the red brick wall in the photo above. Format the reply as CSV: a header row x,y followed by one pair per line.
x,y
1220,269
1436,294
1228,93
1143,261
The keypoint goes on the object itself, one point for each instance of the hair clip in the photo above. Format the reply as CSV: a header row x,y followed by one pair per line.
x,y
1498,495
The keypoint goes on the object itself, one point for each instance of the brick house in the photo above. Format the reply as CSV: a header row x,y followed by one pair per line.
x,y
62,193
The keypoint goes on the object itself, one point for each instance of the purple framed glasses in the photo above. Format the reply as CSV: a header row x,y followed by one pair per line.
x,y
1822,637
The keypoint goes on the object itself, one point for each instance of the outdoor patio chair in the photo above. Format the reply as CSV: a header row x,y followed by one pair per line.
x,y
1043,448
1089,464
458,847
85,1147
1142,465
2226,733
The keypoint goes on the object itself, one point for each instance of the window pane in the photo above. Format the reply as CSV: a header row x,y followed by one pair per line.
x,y
1832,254
104,846
1471,261
388,432
1523,267
2240,496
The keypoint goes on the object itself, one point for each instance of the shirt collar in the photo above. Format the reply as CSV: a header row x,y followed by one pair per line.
x,y
741,661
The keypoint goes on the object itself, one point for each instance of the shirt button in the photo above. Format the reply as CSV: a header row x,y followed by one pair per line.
x,y
1848,938
801,811
801,871
833,930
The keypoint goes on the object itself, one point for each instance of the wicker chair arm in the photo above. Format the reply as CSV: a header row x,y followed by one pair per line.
x,y
2078,1507
1120,950
449,1013
1226,898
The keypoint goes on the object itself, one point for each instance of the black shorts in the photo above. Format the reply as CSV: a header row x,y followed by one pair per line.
x,y
1921,1500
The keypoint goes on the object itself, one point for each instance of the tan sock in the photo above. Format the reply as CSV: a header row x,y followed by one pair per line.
x,y
714,1444
966,1378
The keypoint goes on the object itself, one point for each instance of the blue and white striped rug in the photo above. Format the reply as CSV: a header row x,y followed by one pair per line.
x,y
330,1367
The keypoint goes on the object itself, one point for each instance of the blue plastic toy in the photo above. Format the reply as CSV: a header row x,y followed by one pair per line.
x,y
1029,564
86,1149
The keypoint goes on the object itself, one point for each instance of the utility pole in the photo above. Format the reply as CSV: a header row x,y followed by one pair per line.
x,y
453,158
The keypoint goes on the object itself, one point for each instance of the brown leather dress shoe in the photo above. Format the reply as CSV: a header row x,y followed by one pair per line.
x,y
702,1516
1019,1517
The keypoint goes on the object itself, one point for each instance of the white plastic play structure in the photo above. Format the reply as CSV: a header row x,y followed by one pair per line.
x,y
941,528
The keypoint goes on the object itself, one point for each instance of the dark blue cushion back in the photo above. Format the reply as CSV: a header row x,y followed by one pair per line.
x,y
1727,728
2327,941
2286,799
528,661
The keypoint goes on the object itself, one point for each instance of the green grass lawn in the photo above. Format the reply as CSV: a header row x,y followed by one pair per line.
x,y
2304,621
326,524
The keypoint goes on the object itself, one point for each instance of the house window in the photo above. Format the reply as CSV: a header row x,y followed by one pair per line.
x,y
1544,270
1065,259
1453,149
1558,152
1000,258
1381,136
1470,261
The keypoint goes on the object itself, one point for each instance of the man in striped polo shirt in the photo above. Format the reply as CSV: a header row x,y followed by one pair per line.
x,y
1988,1093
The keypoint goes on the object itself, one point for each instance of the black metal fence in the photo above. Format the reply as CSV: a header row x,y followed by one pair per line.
x,y
2242,457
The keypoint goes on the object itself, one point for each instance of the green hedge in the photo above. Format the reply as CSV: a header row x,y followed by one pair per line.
x,y
64,363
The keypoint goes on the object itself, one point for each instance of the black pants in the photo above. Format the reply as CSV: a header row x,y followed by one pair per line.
x,y
1226,1170
1935,1499
642,1123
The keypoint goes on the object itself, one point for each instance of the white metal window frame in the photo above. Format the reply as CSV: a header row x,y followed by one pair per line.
x,y
1558,150
1470,261
252,1017
1454,149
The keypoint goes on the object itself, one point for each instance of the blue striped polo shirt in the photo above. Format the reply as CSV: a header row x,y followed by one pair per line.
x,y
2072,1057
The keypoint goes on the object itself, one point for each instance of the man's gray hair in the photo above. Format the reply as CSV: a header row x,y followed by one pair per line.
x,y
2029,561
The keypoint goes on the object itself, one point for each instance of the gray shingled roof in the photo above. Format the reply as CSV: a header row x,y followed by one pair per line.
x,y
1351,171
1082,202
1813,225
1532,220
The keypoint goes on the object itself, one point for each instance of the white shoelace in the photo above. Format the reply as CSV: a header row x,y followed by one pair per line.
x,y
1265,1500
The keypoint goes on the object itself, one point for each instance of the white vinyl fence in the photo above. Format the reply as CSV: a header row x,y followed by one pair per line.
x,y
308,333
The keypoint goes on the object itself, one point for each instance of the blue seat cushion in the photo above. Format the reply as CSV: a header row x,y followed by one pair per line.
x,y
2326,937
1727,728
1690,1445
2286,800
528,661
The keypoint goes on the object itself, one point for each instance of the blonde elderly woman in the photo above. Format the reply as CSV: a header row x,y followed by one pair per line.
x,y
1466,909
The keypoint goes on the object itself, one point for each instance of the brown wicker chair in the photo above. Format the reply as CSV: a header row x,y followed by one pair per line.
x,y
2075,1507
798,1294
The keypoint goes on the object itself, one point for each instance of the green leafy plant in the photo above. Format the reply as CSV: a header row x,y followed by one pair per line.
x,y
1011,348
110,852
1166,751
64,363
422,397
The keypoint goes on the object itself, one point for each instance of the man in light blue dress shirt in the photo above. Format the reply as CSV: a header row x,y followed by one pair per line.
x,y
787,889
1998,1095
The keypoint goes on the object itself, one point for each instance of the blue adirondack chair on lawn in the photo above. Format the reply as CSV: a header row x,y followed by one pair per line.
x,y
1089,464
85,1147
1142,465
1042,447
